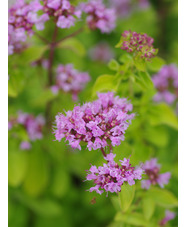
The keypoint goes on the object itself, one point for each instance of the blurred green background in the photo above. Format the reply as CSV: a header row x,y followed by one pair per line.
x,y
46,184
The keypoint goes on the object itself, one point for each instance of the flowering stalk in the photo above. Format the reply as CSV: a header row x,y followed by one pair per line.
x,y
111,176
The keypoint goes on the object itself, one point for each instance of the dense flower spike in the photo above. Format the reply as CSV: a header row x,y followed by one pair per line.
x,y
22,18
64,14
166,82
168,216
99,16
152,170
70,80
110,177
98,124
101,52
33,126
140,44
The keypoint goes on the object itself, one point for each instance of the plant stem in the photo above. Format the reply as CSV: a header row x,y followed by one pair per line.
x,y
103,152
51,56
50,76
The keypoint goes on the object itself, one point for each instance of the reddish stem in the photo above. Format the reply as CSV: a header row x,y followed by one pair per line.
x,y
51,56
103,152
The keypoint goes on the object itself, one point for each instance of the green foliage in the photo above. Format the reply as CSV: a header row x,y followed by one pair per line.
x,y
126,196
73,44
17,167
155,64
162,114
148,208
32,54
134,218
106,83
37,173
162,197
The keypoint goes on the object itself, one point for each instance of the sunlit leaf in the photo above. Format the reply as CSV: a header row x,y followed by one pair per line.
x,y
162,197
148,207
106,83
74,45
126,196
17,166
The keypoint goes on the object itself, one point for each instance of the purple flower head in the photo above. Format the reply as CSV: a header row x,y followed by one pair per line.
x,y
98,16
70,80
140,44
22,17
25,145
101,52
166,83
152,169
169,215
33,125
62,11
97,123
111,176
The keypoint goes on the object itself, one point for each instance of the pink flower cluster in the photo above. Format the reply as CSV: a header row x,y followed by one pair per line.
x,y
101,52
70,80
138,43
33,126
169,215
166,82
152,170
22,18
99,16
125,7
62,11
97,123
110,177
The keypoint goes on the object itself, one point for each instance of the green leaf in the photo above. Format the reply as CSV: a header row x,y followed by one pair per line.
x,y
16,82
32,54
162,114
125,58
119,44
37,175
17,166
74,45
155,64
106,83
162,197
135,219
140,63
144,80
43,207
126,196
113,64
157,135
116,203
146,77
148,208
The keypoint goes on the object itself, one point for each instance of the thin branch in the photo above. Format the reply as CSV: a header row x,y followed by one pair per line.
x,y
103,152
69,36
42,38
